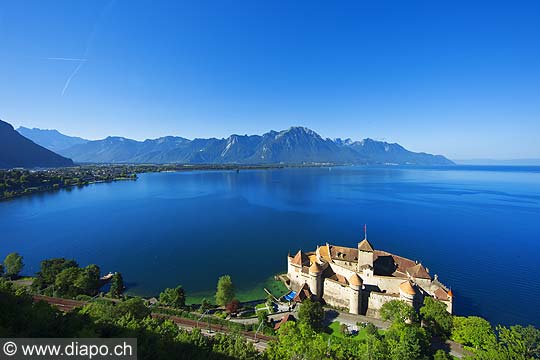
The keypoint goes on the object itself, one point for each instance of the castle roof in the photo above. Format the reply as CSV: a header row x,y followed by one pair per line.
x,y
418,271
450,293
355,280
343,253
303,294
440,294
364,245
300,258
324,252
315,268
407,288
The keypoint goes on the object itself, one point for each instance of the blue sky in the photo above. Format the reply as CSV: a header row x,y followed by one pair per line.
x,y
455,78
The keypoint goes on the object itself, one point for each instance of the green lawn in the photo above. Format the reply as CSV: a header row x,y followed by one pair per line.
x,y
334,330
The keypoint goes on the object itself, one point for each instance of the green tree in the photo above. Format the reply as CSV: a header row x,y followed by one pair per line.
x,y
441,355
436,318
225,290
297,341
311,313
205,305
135,307
398,311
49,269
13,264
520,342
474,332
174,297
407,341
64,284
117,285
1,270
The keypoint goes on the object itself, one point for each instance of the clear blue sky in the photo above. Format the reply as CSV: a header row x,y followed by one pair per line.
x,y
455,78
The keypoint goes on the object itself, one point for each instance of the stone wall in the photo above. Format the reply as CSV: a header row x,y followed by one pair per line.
x,y
297,277
377,300
336,294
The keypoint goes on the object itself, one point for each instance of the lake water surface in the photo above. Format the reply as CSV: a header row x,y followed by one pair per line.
x,y
477,227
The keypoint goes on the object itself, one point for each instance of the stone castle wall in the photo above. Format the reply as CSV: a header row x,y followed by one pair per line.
x,y
377,300
336,294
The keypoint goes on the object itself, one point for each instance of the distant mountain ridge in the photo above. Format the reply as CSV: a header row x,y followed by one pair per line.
x,y
296,145
50,139
18,151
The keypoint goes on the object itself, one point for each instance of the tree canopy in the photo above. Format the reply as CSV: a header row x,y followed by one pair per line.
x,y
13,264
117,285
398,311
436,318
311,313
225,290
174,297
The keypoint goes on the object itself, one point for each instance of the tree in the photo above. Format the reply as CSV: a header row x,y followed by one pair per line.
x,y
311,313
407,341
1,270
117,285
473,331
398,311
225,290
49,269
13,264
297,341
73,281
520,342
437,320
233,306
174,297
205,305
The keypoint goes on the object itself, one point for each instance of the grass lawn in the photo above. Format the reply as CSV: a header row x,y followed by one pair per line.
x,y
334,330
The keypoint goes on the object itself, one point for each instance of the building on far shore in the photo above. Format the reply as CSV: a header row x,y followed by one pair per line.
x,y
362,279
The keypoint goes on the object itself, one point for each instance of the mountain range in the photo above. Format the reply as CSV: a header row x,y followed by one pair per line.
x,y
51,139
18,151
296,145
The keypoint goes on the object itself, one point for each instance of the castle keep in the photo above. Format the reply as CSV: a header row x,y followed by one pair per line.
x,y
363,279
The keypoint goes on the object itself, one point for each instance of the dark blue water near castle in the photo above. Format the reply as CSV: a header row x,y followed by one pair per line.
x,y
477,227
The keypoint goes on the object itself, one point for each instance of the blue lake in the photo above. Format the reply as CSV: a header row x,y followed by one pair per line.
x,y
477,227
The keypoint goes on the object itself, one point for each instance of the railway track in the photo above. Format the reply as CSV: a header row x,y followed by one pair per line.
x,y
67,305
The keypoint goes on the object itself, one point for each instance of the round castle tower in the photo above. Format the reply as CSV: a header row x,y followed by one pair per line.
x,y
315,279
355,284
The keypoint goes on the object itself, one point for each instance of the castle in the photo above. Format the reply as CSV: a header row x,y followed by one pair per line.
x,y
362,279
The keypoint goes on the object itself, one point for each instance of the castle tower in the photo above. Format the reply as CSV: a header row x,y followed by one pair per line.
x,y
407,292
315,279
355,284
365,255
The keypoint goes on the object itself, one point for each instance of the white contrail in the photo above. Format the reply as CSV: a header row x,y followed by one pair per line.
x,y
65,59
89,42
71,76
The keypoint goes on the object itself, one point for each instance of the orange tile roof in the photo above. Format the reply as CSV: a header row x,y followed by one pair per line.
x,y
355,280
440,294
324,251
300,259
315,268
303,294
343,253
418,271
407,288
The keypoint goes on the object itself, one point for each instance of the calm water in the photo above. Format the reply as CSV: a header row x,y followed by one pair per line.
x,y
477,227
